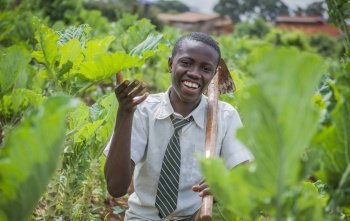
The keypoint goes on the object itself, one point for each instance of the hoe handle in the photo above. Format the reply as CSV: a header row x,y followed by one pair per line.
x,y
210,140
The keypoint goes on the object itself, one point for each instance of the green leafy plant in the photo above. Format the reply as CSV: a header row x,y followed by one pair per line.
x,y
279,121
258,28
73,63
338,10
15,98
29,157
75,66
333,140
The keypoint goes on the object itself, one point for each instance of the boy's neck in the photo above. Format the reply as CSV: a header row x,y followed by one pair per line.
x,y
182,107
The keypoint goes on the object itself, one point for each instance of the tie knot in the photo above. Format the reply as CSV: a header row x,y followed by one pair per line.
x,y
180,123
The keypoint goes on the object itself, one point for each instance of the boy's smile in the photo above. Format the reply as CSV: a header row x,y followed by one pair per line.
x,y
192,69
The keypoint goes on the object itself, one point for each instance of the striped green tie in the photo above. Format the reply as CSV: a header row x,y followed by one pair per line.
x,y
166,199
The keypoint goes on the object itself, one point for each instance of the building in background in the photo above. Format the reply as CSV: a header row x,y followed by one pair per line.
x,y
198,22
307,24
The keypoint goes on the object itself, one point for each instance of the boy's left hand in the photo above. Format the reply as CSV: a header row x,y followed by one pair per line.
x,y
202,188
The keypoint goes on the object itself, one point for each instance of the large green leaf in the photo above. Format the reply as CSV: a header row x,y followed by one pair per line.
x,y
79,33
97,47
149,44
71,52
334,141
136,34
18,101
279,121
141,38
13,62
105,65
29,156
47,48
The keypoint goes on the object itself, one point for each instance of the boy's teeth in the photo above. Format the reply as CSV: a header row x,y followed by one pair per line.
x,y
190,84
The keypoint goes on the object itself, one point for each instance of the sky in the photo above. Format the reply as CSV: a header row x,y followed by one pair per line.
x,y
207,5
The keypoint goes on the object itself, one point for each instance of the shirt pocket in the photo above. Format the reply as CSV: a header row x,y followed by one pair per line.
x,y
198,155
190,166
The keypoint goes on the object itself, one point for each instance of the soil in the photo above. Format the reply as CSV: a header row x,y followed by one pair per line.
x,y
122,202
107,211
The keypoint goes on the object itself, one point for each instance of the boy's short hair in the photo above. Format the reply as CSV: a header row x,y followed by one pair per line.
x,y
197,36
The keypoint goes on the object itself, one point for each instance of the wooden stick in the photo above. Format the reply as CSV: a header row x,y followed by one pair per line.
x,y
210,140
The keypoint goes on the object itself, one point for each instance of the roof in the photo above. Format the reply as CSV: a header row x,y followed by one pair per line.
x,y
299,19
222,23
188,17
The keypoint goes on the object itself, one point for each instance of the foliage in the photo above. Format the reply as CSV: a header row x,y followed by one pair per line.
x,y
96,21
266,9
13,63
15,27
171,6
333,139
334,143
69,59
89,129
326,45
107,9
274,134
339,12
15,78
29,156
63,10
75,66
289,38
258,28
72,64
316,9
227,7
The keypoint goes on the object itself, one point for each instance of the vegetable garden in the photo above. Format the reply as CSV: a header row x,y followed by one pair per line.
x,y
58,111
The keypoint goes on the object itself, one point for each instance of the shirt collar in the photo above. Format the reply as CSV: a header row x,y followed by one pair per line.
x,y
165,109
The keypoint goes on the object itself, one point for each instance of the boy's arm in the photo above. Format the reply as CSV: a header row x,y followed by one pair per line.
x,y
119,167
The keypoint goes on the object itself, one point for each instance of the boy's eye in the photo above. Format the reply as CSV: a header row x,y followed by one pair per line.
x,y
186,63
206,69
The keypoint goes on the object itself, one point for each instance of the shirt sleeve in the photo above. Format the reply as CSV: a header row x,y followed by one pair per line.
x,y
233,151
138,139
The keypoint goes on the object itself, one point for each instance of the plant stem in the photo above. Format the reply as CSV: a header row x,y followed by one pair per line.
x,y
47,66
81,91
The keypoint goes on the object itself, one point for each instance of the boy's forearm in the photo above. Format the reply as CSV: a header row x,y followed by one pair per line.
x,y
119,166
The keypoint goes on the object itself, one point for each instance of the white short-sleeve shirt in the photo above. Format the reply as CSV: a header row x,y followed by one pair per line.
x,y
151,132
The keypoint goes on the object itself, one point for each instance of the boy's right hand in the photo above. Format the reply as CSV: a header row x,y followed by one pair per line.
x,y
127,96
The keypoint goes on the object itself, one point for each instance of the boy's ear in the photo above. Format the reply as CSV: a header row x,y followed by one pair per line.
x,y
170,64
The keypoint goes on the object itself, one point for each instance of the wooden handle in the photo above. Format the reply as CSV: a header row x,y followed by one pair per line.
x,y
210,140
207,208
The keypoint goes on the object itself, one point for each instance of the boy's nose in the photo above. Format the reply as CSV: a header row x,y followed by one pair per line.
x,y
195,72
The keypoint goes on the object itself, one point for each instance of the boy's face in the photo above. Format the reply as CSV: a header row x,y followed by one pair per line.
x,y
192,69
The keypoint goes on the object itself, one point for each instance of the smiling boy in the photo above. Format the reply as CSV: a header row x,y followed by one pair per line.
x,y
140,144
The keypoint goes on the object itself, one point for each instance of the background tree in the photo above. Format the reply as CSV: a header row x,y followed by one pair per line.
x,y
318,8
299,11
171,6
230,8
269,9
237,10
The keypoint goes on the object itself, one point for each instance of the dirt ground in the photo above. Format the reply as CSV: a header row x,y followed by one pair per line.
x,y
107,212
